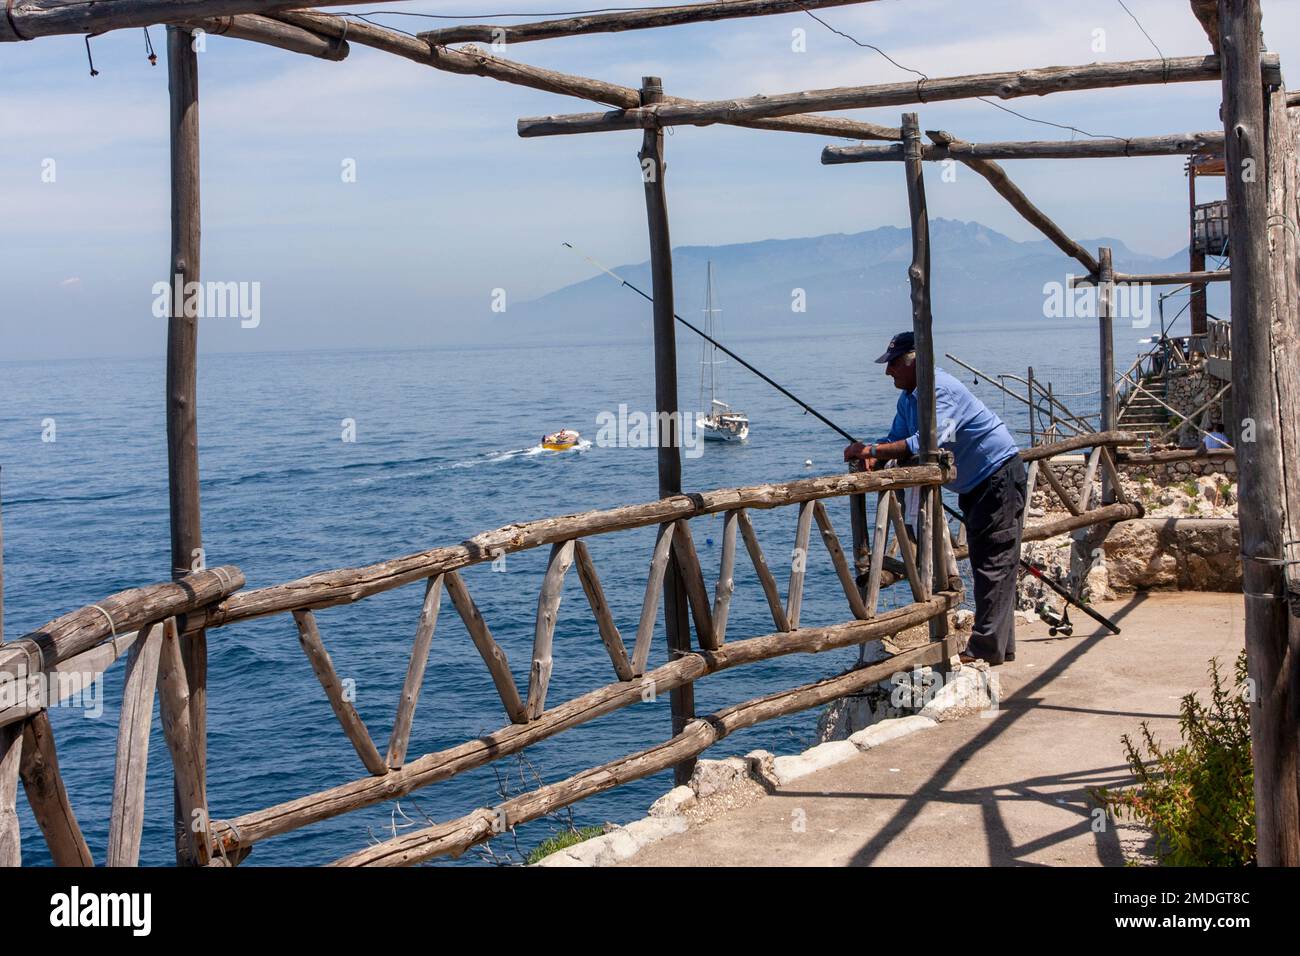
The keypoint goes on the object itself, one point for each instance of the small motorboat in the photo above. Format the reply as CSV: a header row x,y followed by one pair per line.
x,y
562,440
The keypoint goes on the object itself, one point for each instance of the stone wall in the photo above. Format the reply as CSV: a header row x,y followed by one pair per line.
x,y
1167,554
1070,470
1189,390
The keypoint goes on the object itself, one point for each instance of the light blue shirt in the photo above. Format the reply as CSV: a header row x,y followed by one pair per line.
x,y
976,437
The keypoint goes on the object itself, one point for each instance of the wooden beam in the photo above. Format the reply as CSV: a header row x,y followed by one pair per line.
x,y
846,576
1177,144
1272,630
883,508
115,615
1107,514
68,678
455,836
1045,469
624,20
11,750
609,634
798,565
929,515
650,603
669,457
276,33
1085,487
180,733
905,548
131,764
726,585
1284,245
493,656
182,375
48,796
1159,278
1075,442
688,561
470,61
29,19
340,703
1010,85
1207,12
548,609
250,828
401,734
1106,352
997,177
346,585
765,577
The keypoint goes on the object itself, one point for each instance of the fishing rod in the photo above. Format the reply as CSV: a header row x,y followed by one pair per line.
x,y
808,409
1038,572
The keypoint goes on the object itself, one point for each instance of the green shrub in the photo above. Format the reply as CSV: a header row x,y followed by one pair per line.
x,y
1190,488
562,841
1198,799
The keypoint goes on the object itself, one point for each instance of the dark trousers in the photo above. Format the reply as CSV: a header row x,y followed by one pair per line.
x,y
993,511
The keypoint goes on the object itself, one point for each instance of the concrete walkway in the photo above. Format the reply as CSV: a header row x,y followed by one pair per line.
x,y
1006,789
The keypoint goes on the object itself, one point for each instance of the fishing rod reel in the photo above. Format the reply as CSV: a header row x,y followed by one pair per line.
x,y
1058,622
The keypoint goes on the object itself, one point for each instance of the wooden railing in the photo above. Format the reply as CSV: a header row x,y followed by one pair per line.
x,y
150,622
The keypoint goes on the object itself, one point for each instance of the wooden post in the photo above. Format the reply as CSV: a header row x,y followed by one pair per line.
x,y
1196,259
182,366
174,709
726,576
353,726
47,795
929,506
676,622
11,748
401,733
609,634
1106,324
126,817
1032,401
1271,631
548,609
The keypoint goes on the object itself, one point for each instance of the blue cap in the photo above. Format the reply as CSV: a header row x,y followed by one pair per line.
x,y
900,344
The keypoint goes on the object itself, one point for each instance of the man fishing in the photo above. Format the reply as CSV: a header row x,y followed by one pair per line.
x,y
990,487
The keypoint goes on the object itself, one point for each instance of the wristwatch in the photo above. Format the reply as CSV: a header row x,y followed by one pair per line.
x,y
872,452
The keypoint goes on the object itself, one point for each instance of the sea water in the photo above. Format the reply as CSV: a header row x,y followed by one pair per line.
x,y
319,460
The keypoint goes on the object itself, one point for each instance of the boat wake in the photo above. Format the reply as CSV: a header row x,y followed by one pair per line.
x,y
582,445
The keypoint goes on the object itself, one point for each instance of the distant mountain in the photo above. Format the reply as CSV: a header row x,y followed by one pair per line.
x,y
845,279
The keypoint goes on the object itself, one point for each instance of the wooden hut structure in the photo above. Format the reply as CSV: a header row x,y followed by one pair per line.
x,y
163,628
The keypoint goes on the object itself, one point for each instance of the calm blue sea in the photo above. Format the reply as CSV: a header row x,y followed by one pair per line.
x,y
442,451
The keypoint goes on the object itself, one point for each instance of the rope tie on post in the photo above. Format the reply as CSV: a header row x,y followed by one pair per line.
x,y
111,626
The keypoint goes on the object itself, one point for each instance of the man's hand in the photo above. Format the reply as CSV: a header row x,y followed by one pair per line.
x,y
859,455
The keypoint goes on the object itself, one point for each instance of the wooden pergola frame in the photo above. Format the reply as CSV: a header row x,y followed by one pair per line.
x,y
1259,134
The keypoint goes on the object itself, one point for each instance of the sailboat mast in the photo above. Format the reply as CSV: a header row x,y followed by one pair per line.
x,y
713,358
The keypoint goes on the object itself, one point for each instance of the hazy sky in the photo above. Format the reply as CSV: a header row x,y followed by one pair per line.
x,y
450,204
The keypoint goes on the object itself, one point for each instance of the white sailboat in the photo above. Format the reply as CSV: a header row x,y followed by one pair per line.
x,y
718,421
